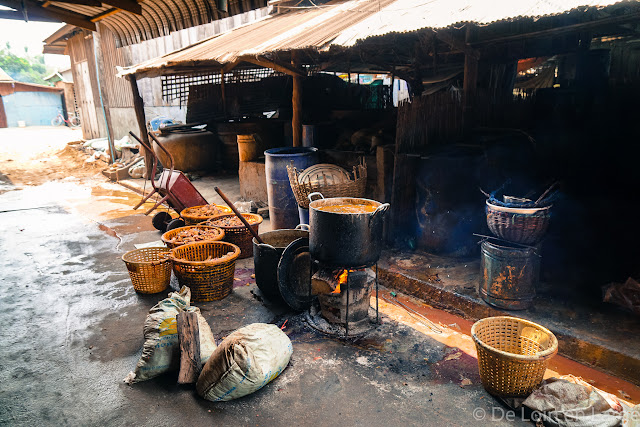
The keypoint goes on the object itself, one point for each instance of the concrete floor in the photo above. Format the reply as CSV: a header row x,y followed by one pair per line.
x,y
73,330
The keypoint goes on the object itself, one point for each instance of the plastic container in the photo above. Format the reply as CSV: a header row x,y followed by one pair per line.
x,y
283,209
248,148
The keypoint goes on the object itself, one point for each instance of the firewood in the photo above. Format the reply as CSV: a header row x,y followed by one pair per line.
x,y
189,338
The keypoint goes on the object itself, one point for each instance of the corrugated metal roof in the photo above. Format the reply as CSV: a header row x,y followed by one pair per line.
x,y
343,23
4,77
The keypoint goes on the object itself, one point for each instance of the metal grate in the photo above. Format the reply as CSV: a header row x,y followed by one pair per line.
x,y
176,87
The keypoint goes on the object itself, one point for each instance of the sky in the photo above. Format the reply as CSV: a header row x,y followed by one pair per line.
x,y
31,34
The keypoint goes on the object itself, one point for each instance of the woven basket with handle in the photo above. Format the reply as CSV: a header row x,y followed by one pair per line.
x,y
346,187
513,354
149,269
519,225
239,235
207,268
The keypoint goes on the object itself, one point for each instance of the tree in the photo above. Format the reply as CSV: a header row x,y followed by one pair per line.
x,y
23,69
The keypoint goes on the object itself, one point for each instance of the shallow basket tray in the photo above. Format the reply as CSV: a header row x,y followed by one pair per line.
x,y
239,235
513,354
208,280
169,235
149,269
519,225
192,219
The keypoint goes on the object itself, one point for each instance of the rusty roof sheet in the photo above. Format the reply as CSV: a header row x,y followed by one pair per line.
x,y
345,22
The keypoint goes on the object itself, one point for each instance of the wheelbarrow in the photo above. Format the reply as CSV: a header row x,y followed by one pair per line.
x,y
174,188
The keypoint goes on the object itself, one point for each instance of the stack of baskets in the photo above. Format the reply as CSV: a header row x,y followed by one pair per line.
x,y
337,185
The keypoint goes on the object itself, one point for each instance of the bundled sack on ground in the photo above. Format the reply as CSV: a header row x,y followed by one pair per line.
x,y
244,362
161,351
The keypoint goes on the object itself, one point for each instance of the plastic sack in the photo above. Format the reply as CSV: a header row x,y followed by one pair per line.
x,y
244,362
161,351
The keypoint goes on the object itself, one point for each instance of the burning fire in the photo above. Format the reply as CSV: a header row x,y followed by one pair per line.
x,y
342,279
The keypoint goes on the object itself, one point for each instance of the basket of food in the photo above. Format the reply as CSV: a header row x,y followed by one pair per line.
x,y
196,214
513,354
192,234
525,225
149,269
207,268
235,231
330,180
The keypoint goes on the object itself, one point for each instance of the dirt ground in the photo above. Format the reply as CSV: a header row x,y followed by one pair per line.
x,y
38,154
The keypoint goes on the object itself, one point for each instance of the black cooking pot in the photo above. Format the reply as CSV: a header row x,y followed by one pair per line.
x,y
266,257
345,239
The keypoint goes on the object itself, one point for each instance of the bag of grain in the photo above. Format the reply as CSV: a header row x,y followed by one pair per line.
x,y
244,362
161,351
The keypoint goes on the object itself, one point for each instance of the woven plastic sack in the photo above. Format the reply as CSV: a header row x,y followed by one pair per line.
x,y
244,362
161,351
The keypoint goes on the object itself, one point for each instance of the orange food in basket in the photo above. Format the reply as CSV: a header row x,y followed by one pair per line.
x,y
195,235
207,210
348,208
231,221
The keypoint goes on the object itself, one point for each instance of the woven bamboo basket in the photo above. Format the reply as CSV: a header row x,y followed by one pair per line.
x,y
169,235
347,188
207,268
149,269
513,354
519,225
239,235
191,218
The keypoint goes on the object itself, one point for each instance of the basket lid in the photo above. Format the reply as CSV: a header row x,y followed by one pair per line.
x,y
317,174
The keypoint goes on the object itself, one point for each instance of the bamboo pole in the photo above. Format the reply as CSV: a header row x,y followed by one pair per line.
x,y
138,107
296,124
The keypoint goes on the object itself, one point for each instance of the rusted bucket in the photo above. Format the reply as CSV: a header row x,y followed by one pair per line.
x,y
509,275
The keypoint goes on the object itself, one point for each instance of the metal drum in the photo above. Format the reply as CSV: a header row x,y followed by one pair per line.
x,y
509,275
283,208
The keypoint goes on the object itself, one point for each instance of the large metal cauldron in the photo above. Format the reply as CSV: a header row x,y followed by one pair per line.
x,y
266,257
345,239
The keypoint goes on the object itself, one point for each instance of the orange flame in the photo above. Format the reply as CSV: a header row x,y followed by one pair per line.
x,y
342,279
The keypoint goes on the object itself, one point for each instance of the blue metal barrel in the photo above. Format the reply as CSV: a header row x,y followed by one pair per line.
x,y
509,275
283,209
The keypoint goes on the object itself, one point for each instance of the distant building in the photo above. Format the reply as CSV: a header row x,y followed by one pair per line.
x,y
33,104
64,79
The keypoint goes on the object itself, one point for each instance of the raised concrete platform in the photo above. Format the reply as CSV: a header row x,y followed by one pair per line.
x,y
599,335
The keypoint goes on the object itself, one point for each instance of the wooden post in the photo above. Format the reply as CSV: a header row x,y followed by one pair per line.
x,y
138,106
470,82
224,93
189,338
296,121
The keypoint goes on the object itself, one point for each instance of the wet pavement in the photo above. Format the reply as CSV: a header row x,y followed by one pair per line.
x,y
73,330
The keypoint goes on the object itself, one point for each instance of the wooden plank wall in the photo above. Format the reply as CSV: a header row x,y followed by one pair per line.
x,y
83,67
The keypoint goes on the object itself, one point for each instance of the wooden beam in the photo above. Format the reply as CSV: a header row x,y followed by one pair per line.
x,y
231,65
19,16
104,14
470,81
448,38
189,339
138,107
35,11
278,66
128,5
296,101
94,3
